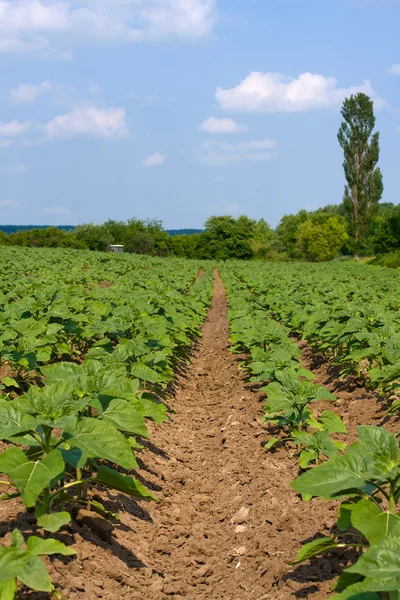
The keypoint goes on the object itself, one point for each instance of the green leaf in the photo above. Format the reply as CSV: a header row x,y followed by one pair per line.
x,y
17,539
357,591
306,456
54,521
374,524
27,567
30,479
33,476
123,483
55,464
102,440
345,580
41,547
381,563
333,477
75,457
149,408
344,517
8,589
145,373
9,382
10,459
379,441
272,442
318,546
125,417
332,422
13,421
34,574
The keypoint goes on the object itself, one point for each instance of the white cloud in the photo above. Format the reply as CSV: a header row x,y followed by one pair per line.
x,y
56,210
214,125
216,153
39,26
88,121
19,169
9,203
154,160
27,93
397,129
13,129
395,69
274,92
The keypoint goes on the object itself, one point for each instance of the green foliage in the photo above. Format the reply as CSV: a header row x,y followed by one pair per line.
x,y
227,237
19,564
49,237
287,233
89,341
367,476
274,359
321,240
361,155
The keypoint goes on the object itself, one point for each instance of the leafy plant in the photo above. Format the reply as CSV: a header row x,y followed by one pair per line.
x,y
19,564
368,477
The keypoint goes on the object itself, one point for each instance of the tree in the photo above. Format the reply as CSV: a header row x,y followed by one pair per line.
x,y
361,155
321,239
226,237
287,233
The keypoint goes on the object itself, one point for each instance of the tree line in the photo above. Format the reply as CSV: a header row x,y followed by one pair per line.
x,y
358,225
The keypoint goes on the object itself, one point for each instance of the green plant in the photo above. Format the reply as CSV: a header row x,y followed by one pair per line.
x,y
367,476
25,565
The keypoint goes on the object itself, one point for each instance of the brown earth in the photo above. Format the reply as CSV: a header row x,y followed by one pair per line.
x,y
227,523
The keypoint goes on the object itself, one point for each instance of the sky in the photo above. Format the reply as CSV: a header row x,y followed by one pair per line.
x,y
182,109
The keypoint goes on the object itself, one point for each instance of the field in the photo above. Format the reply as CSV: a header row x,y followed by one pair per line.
x,y
185,429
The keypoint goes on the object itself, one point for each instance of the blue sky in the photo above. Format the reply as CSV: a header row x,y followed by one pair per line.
x,y
180,109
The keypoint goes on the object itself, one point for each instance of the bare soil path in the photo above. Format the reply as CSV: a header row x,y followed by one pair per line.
x,y
227,523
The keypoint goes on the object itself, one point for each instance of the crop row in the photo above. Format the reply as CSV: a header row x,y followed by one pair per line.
x,y
87,351
349,312
366,475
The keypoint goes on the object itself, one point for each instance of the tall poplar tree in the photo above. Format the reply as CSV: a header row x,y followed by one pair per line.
x,y
361,155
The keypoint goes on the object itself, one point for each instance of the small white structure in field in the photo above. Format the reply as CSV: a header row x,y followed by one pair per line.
x,y
116,248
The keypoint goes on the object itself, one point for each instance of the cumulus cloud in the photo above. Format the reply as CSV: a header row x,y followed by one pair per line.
x,y
13,129
18,169
56,210
27,93
154,160
8,203
216,153
39,26
395,69
89,121
274,92
214,125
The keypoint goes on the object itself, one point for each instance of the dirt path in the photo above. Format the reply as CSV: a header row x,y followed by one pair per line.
x,y
227,523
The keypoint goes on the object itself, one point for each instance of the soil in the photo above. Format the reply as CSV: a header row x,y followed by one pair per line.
x,y
227,524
